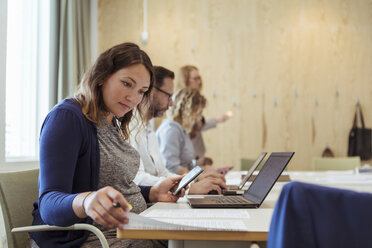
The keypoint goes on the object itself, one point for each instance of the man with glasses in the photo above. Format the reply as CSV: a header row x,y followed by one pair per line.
x,y
152,169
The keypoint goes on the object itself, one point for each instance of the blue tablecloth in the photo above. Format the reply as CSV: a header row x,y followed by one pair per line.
x,y
308,215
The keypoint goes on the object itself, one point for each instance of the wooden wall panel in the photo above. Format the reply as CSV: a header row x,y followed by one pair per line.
x,y
297,52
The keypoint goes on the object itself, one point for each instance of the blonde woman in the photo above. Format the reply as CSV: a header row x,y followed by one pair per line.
x,y
189,77
173,134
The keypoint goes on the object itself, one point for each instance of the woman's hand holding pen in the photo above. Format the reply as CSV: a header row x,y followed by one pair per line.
x,y
163,192
99,206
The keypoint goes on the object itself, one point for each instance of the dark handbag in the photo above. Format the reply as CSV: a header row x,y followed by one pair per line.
x,y
360,138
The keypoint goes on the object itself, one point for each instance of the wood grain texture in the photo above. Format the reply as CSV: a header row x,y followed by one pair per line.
x,y
274,48
191,235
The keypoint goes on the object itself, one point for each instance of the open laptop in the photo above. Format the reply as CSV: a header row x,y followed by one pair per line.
x,y
238,189
256,193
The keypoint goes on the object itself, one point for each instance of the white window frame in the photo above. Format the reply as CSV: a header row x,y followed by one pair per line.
x,y
4,164
3,29
27,164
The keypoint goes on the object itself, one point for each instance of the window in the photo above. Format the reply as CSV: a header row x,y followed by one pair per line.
x,y
27,68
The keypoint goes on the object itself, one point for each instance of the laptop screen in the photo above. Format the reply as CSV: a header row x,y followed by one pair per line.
x,y
267,176
251,170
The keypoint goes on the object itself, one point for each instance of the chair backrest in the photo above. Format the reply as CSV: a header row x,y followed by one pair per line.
x,y
309,215
18,190
337,163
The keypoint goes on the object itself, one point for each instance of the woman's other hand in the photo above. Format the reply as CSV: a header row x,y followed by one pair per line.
x,y
222,118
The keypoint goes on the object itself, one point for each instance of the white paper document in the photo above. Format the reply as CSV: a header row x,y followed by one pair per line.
x,y
199,213
189,219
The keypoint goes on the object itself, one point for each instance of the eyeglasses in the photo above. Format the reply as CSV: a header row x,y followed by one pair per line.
x,y
162,91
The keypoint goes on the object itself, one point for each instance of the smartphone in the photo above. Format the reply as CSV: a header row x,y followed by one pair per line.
x,y
191,175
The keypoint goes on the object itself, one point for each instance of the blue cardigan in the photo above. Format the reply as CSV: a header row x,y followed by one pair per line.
x,y
69,164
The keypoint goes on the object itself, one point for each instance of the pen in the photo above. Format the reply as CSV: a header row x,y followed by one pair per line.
x,y
117,205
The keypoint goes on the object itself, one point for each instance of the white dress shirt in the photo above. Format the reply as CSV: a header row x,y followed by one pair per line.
x,y
152,169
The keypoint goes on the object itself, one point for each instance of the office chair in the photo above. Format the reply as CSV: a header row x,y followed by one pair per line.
x,y
309,215
18,191
337,163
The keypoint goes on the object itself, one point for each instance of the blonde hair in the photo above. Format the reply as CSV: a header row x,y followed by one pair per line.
x,y
89,94
184,76
187,103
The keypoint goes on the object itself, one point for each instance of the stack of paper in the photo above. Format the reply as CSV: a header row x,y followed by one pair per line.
x,y
190,219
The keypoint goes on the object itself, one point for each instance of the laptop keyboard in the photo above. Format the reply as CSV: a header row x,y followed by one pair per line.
x,y
233,187
229,199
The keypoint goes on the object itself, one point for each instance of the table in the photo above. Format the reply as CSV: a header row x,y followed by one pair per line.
x,y
257,226
259,222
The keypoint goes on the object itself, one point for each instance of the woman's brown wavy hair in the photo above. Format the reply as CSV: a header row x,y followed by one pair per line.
x,y
89,93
